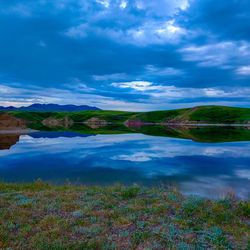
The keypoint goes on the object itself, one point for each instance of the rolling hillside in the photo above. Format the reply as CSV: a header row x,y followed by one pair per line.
x,y
202,114
196,115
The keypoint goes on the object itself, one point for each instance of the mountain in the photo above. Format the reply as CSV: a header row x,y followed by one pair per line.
x,y
50,108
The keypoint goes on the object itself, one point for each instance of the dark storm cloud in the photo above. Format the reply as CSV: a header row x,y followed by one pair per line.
x,y
103,52
225,19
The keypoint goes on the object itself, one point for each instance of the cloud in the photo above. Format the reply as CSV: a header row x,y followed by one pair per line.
x,y
6,90
148,33
25,96
224,20
145,34
156,33
108,77
137,85
18,9
105,3
137,157
162,54
222,54
169,91
79,31
243,173
162,7
243,70
168,71
123,4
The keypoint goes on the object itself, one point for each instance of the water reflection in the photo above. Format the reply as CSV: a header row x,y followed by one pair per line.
x,y
8,140
206,169
195,133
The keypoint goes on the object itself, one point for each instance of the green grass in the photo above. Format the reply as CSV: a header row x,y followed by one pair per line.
x,y
203,114
220,114
109,116
159,116
43,216
116,119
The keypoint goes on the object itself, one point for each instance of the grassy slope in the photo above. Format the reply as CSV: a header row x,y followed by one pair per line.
x,y
40,216
221,114
159,116
109,116
207,114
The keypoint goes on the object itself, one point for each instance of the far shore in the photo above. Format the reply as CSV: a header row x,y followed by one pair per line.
x,y
198,124
17,131
28,130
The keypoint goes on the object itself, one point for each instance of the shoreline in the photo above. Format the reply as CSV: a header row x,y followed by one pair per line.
x,y
17,131
198,124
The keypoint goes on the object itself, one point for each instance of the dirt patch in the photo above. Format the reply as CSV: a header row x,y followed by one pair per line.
x,y
53,122
96,123
9,122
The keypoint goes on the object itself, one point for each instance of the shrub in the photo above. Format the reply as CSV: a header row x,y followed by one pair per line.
x,y
130,192
192,204
244,209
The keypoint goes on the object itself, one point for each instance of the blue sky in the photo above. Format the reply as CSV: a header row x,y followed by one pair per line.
x,y
123,54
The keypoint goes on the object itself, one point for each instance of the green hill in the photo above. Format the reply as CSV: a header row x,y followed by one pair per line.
x,y
202,114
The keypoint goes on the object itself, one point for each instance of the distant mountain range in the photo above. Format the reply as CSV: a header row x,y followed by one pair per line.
x,y
50,107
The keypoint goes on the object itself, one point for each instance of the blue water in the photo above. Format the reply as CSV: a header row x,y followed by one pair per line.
x,y
206,169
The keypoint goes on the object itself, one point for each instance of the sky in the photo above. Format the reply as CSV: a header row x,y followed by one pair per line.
x,y
125,55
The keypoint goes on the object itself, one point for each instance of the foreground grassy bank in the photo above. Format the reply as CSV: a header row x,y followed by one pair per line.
x,y
41,216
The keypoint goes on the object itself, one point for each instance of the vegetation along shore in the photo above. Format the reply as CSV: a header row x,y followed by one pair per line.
x,y
43,216
196,115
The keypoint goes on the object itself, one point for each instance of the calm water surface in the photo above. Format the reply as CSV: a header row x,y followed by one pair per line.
x,y
207,169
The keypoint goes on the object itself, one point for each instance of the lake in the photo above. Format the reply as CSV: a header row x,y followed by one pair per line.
x,y
209,162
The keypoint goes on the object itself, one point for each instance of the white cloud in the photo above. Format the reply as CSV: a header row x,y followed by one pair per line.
x,y
170,91
76,94
223,54
153,97
123,4
168,71
162,7
137,85
243,70
157,25
243,173
147,33
79,31
137,157
4,89
154,33
105,3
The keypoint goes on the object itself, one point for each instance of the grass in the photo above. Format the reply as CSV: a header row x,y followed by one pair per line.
x,y
109,116
43,216
220,114
202,114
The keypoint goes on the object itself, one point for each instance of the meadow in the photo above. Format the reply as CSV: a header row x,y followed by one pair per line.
x,y
43,216
202,114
